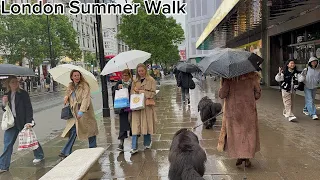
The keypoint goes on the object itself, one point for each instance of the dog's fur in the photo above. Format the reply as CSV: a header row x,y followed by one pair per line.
x,y
187,158
208,109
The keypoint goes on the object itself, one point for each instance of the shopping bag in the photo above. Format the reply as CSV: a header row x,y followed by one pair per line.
x,y
121,99
27,140
7,119
137,102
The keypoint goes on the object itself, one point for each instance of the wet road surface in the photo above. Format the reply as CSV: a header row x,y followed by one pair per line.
x,y
288,150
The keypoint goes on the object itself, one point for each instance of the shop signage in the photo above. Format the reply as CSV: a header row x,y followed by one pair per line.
x,y
183,55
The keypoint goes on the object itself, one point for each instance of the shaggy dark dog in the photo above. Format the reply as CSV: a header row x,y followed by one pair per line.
x,y
208,109
187,159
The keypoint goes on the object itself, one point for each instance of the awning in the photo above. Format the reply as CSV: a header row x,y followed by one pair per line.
x,y
223,10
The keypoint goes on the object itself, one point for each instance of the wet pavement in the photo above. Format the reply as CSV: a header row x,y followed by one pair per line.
x,y
288,150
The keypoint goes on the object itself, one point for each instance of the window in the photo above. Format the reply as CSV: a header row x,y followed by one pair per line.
x,y
193,48
87,30
83,43
91,19
77,27
198,9
82,29
193,31
88,43
104,34
92,30
93,44
199,29
204,7
192,9
78,40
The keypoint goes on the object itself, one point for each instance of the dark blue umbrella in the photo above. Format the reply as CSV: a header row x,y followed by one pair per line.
x,y
188,68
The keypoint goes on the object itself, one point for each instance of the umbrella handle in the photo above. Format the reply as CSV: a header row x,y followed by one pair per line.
x,y
131,77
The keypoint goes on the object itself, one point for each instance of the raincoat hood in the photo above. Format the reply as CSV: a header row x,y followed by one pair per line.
x,y
313,59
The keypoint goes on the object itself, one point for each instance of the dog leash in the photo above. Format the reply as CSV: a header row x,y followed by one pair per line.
x,y
208,120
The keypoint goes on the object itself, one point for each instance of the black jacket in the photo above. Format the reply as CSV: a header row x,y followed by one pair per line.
x,y
24,111
185,80
288,78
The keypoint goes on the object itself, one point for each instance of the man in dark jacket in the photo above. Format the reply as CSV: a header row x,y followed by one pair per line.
x,y
185,82
176,73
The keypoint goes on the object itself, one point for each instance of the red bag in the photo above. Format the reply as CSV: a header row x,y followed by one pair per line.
x,y
27,140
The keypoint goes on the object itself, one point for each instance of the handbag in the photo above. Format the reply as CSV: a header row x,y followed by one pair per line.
x,y
7,119
121,99
137,102
27,140
66,113
150,102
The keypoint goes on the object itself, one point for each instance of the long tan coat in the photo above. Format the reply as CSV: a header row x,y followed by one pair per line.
x,y
239,135
143,121
87,125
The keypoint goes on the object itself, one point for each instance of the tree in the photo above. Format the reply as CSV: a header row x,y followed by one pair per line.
x,y
26,36
90,58
156,34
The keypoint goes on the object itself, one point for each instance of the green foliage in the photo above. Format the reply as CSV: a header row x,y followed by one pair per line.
x,y
90,58
26,36
155,34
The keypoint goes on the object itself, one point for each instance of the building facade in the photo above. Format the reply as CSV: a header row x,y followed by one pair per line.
x,y
199,15
277,30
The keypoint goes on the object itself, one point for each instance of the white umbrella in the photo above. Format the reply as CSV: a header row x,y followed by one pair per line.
x,y
61,74
125,60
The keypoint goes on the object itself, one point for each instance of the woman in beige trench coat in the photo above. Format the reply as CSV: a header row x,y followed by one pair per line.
x,y
143,121
83,124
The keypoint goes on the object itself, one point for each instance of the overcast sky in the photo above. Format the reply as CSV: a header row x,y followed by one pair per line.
x,y
180,18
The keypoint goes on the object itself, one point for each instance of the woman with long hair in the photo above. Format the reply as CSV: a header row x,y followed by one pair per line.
x,y
84,123
124,114
289,78
239,135
143,121
21,107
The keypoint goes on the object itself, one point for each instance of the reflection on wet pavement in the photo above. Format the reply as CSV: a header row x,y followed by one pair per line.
x,y
288,150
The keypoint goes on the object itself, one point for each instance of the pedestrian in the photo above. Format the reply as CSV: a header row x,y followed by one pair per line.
x,y
48,81
157,75
143,121
28,82
22,83
185,82
289,78
239,135
21,107
312,79
84,124
124,114
176,74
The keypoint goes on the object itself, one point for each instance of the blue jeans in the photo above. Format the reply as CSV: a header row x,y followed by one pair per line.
x,y
146,141
10,137
310,95
67,149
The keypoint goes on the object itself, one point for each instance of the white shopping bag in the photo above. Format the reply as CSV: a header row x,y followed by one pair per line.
x,y
7,119
121,99
137,102
27,140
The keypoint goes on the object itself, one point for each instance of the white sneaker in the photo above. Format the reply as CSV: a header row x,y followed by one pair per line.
x,y
149,147
315,117
36,161
133,151
292,118
3,171
306,113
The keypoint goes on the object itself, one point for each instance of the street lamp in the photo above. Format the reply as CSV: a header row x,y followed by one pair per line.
x,y
105,97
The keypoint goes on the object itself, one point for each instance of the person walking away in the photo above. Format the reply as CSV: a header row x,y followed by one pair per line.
x,y
312,79
157,75
48,81
21,107
289,78
176,74
22,83
185,81
239,135
124,114
143,121
28,82
84,124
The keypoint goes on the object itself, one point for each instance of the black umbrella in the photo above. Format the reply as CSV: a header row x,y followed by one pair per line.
x,y
187,67
13,70
230,63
